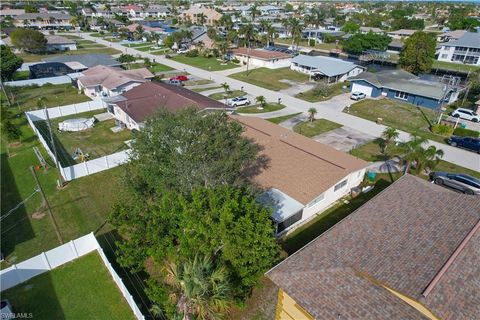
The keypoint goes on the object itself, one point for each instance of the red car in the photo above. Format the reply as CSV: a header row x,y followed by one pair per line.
x,y
179,78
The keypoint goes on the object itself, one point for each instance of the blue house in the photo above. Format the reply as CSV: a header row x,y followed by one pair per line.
x,y
403,86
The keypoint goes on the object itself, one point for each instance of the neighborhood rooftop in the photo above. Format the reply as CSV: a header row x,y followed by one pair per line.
x,y
326,65
87,60
261,53
469,39
415,240
113,77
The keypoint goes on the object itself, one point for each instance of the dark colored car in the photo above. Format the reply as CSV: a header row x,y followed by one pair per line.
x,y
179,78
469,143
461,182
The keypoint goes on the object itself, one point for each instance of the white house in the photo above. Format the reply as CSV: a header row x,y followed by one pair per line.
x,y
464,50
331,69
107,81
301,177
59,43
262,58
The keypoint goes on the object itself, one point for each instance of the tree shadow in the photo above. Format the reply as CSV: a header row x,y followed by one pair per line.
x,y
64,157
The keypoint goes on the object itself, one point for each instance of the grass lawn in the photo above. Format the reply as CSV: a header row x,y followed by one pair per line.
x,y
138,45
230,94
97,141
318,126
198,82
21,75
269,107
85,41
402,116
281,119
145,49
313,95
371,152
71,36
210,64
270,78
30,57
81,289
161,52
204,89
327,219
453,66
158,67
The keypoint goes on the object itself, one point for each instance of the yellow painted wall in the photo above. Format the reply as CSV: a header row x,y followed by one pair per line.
x,y
288,309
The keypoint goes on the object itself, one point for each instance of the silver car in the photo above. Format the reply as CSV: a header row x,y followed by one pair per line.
x,y
461,182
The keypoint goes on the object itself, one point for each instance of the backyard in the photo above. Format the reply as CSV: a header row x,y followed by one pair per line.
x,y
81,289
323,93
30,57
401,116
153,67
268,107
209,64
451,66
318,126
97,141
272,79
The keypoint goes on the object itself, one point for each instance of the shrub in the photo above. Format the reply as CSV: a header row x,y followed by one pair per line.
x,y
442,129
167,56
311,42
462,132
192,53
235,60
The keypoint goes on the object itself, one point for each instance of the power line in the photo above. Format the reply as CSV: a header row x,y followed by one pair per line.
x,y
19,204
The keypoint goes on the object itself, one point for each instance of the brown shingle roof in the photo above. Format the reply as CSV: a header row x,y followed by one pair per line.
x,y
144,100
113,77
401,238
261,54
298,166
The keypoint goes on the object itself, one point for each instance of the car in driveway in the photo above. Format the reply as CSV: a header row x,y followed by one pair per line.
x,y
358,96
472,144
179,78
466,114
459,181
238,102
175,82
182,51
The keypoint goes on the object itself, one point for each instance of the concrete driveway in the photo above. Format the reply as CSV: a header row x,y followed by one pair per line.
x,y
468,124
344,138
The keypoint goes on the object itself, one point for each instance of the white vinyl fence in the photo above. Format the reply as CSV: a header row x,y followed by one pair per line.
x,y
85,168
39,81
58,256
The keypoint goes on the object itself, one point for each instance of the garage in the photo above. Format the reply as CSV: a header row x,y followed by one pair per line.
x,y
363,89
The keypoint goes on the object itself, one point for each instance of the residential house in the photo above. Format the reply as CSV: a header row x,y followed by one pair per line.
x,y
269,10
403,86
81,62
319,35
44,20
301,177
133,11
108,81
156,11
451,35
12,13
132,108
331,70
201,16
59,43
411,252
402,33
366,30
262,58
395,46
464,50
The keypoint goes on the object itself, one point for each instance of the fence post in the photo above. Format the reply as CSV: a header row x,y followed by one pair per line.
x,y
60,111
75,108
106,162
86,167
45,259
74,249
89,107
20,280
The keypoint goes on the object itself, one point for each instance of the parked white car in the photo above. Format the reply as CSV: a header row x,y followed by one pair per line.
x,y
358,96
182,50
238,101
466,114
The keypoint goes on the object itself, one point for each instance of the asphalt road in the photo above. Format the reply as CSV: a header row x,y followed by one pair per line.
x,y
328,109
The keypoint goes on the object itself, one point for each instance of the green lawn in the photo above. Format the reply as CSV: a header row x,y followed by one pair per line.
x,y
154,68
306,233
21,75
269,107
85,41
315,95
371,152
204,89
281,119
161,52
71,36
209,64
145,49
230,94
402,116
30,57
198,82
138,45
270,78
81,289
97,141
453,66
318,126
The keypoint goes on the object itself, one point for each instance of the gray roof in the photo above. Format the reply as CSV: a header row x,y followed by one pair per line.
x,y
44,15
88,60
328,66
403,81
469,39
54,39
367,29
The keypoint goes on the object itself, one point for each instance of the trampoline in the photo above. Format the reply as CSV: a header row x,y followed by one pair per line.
x,y
77,124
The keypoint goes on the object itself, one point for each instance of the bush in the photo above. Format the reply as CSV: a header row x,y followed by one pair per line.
x,y
442,129
462,132
235,60
192,53
311,42
167,56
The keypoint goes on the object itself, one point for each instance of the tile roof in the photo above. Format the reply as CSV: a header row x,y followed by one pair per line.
x,y
112,78
400,239
298,166
144,100
328,66
261,54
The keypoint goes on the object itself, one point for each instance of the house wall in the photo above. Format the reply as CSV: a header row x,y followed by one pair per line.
x,y
376,92
288,309
270,64
61,47
457,55
446,53
413,99
121,116
341,77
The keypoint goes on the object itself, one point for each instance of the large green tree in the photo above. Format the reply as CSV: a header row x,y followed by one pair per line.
x,y
358,43
419,52
9,63
29,40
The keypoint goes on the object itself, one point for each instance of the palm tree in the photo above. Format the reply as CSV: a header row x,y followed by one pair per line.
x,y
414,151
201,290
254,12
225,87
431,158
389,135
271,33
222,46
138,34
311,114
201,19
296,30
261,101
248,33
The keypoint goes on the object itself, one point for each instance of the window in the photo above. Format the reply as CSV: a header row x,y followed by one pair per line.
x,y
401,95
340,185
446,48
316,200
444,56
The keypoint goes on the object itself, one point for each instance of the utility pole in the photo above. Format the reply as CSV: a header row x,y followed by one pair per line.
x,y
39,187
52,141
